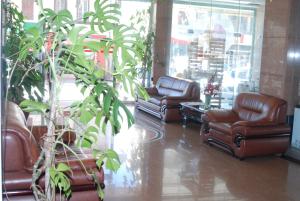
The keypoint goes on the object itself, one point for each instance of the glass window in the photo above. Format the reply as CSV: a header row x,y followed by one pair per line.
x,y
218,37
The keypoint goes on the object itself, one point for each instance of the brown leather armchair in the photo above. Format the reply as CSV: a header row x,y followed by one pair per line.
x,y
166,96
254,126
21,151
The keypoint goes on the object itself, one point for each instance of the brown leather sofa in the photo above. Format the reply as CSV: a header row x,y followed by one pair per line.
x,y
254,126
166,96
21,151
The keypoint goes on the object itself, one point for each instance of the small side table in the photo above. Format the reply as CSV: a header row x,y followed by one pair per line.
x,y
192,111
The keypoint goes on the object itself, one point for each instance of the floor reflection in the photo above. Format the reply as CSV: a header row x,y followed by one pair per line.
x,y
166,162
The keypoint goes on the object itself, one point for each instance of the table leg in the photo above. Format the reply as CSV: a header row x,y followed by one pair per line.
x,y
185,119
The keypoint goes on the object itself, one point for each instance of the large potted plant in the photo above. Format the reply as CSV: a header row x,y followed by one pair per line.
x,y
62,44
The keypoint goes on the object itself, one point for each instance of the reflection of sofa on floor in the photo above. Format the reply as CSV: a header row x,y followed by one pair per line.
x,y
166,96
254,126
21,151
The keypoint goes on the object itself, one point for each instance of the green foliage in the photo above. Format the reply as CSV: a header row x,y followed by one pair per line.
x,y
23,77
60,180
62,21
105,17
101,108
142,22
31,43
33,106
110,157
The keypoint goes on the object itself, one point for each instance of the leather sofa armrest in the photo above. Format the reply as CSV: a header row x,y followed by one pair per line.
x,y
173,100
226,116
260,130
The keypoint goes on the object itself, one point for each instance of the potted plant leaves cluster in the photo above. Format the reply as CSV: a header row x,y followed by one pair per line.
x,y
23,80
62,43
143,22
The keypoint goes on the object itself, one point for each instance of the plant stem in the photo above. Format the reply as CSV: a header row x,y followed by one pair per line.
x,y
36,174
50,138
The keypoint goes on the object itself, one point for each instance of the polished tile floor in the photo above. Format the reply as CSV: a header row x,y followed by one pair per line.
x,y
166,162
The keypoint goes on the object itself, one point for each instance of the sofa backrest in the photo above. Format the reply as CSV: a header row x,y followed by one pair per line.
x,y
170,86
20,148
260,107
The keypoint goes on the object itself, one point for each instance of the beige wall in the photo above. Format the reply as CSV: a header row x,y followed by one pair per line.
x,y
279,64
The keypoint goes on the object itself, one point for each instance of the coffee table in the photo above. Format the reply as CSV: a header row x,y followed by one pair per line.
x,y
192,111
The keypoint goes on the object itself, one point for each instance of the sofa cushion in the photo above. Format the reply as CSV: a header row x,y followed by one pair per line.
x,y
163,91
258,107
170,86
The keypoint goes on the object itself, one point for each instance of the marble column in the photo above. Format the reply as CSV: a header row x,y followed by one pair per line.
x,y
162,42
280,53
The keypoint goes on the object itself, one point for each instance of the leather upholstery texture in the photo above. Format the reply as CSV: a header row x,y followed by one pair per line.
x,y
166,96
21,151
254,126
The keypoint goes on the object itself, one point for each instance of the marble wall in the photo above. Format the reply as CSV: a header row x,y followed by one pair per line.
x,y
162,38
279,54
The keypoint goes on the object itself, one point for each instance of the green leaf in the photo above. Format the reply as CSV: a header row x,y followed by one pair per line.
x,y
99,88
82,90
91,136
74,34
85,117
99,74
86,16
107,102
62,167
98,118
101,193
112,154
130,118
60,22
99,162
85,143
94,45
106,15
112,164
92,129
52,172
34,106
115,113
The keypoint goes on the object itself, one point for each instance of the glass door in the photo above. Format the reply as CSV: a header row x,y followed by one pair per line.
x,y
219,38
